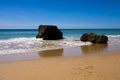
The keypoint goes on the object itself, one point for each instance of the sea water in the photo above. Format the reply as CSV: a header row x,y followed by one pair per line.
x,y
23,40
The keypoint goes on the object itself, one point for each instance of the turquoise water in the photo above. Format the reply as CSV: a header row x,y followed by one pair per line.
x,y
15,33
78,32
24,41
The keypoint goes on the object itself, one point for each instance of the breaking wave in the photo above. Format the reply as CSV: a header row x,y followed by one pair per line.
x,y
20,45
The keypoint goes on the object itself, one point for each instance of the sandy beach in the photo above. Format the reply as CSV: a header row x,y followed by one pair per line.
x,y
59,39
86,67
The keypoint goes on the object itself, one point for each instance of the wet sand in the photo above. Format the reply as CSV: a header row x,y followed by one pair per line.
x,y
87,67
63,52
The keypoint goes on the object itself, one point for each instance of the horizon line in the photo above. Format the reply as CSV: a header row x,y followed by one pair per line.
x,y
62,28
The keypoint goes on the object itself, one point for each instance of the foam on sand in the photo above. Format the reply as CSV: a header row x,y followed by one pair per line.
x,y
20,45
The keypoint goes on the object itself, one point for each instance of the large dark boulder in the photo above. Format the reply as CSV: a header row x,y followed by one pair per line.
x,y
94,38
49,32
90,37
84,37
101,39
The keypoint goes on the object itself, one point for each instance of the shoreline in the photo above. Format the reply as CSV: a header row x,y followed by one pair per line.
x,y
30,44
103,66
61,52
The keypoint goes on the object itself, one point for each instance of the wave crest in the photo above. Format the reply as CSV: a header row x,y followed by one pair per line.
x,y
20,45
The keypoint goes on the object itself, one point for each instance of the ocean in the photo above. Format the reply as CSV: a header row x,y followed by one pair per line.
x,y
23,40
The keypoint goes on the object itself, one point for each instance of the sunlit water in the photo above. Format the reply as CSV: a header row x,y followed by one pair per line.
x,y
23,40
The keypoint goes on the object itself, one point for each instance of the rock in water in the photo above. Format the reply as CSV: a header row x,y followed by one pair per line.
x,y
49,32
90,37
94,38
101,39
84,37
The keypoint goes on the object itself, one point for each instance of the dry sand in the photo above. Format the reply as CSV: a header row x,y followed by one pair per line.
x,y
88,67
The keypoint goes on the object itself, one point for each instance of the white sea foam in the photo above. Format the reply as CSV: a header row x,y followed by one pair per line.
x,y
113,36
20,45
114,39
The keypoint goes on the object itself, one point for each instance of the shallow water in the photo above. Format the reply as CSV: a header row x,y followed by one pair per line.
x,y
61,52
23,40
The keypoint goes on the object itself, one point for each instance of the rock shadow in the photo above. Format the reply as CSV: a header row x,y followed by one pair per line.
x,y
94,48
51,53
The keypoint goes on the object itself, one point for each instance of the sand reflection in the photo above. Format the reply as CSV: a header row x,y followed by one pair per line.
x,y
94,48
51,53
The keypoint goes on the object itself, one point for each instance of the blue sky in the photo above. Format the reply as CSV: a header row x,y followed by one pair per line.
x,y
79,14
